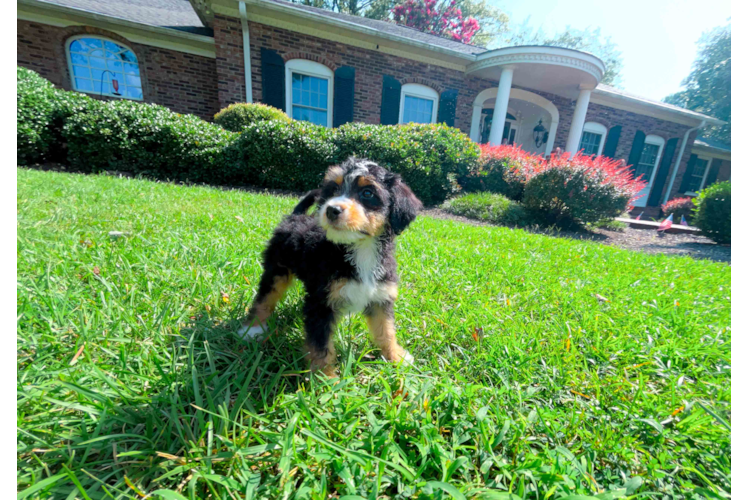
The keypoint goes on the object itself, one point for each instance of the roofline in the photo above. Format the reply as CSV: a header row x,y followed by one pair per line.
x,y
690,116
702,146
341,23
170,32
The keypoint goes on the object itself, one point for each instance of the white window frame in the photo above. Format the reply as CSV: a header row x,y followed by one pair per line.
x,y
655,140
421,92
595,128
309,68
709,161
69,41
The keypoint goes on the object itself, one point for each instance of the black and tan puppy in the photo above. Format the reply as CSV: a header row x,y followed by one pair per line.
x,y
344,255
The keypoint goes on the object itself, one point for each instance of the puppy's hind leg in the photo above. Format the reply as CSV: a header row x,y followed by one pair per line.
x,y
273,285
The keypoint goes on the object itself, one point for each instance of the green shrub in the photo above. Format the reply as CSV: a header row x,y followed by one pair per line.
x,y
678,207
430,158
40,111
570,190
489,207
501,169
713,208
237,116
280,155
147,139
144,139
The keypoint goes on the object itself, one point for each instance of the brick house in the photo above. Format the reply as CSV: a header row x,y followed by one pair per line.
x,y
198,56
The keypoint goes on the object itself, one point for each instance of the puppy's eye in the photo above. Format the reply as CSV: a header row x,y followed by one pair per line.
x,y
367,194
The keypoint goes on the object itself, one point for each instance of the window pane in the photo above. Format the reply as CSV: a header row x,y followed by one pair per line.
x,y
79,59
112,46
97,62
82,71
134,93
647,161
310,115
309,91
417,110
114,65
76,46
697,175
83,84
590,143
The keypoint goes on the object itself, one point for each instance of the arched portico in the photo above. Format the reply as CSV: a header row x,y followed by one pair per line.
x,y
564,72
526,109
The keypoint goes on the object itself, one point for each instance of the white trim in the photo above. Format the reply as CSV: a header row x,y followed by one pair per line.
x,y
422,92
154,36
556,56
613,98
595,128
69,41
246,53
309,68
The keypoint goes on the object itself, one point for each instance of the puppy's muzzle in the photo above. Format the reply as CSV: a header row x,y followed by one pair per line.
x,y
333,212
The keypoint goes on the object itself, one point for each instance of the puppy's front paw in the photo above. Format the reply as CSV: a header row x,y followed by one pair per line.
x,y
407,359
251,332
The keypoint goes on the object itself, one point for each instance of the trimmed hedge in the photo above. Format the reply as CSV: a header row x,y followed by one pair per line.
x,y
489,207
713,212
150,140
237,116
41,111
501,169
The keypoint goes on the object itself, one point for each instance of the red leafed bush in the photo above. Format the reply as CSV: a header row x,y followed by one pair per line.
x,y
679,207
503,170
570,190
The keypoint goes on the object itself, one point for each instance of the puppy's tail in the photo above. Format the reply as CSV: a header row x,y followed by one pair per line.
x,y
306,202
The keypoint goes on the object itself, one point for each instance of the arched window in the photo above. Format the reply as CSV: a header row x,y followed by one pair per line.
x,y
593,138
309,91
650,157
418,103
103,67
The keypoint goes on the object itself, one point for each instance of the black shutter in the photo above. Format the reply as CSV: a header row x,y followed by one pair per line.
x,y
447,106
636,149
713,172
611,142
686,181
390,111
342,106
273,79
662,172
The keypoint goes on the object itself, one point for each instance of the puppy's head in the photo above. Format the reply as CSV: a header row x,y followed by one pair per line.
x,y
359,199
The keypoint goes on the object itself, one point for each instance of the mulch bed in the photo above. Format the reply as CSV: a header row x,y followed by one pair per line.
x,y
641,240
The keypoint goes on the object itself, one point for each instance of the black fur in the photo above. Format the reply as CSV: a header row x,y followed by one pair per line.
x,y
300,245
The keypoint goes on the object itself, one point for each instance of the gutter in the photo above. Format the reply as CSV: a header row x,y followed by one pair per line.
x,y
680,157
245,46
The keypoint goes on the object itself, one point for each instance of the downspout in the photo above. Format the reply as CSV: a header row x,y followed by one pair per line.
x,y
680,157
247,58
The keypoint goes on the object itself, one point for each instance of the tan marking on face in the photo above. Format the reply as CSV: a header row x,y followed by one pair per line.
x,y
365,181
335,174
382,330
263,307
322,360
375,222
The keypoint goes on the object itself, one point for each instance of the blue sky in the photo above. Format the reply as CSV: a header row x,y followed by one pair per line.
x,y
657,38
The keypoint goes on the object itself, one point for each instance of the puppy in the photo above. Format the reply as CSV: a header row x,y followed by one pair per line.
x,y
344,255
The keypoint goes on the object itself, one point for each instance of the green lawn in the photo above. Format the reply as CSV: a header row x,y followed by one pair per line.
x,y
545,367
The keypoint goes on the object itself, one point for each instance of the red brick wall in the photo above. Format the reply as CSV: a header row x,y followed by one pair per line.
x,y
185,83
725,173
370,66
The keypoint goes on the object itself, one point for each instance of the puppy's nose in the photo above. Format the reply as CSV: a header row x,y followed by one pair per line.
x,y
333,211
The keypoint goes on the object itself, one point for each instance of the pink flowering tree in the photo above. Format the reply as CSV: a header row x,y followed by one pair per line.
x,y
443,19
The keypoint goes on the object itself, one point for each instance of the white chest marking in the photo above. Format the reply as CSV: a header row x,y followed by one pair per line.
x,y
356,295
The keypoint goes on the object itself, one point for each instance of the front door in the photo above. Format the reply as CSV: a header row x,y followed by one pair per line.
x,y
647,168
510,132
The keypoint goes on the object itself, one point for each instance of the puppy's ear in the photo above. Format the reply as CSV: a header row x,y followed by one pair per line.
x,y
404,205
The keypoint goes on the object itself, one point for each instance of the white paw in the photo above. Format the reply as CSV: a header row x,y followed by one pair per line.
x,y
408,358
250,333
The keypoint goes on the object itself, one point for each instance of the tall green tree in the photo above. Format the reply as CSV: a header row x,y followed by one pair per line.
x,y
588,40
708,88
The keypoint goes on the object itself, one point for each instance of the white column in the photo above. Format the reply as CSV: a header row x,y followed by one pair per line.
x,y
475,123
577,121
501,106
